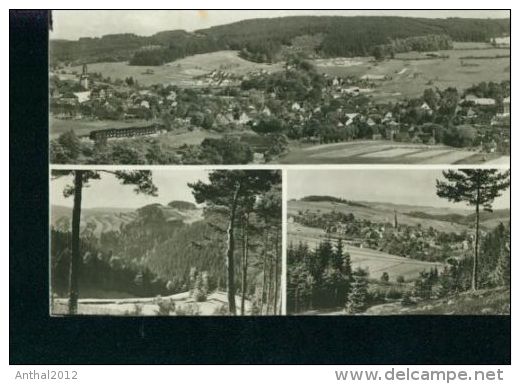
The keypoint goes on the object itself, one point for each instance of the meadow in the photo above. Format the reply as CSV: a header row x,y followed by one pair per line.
x,y
384,152
408,74
377,262
180,72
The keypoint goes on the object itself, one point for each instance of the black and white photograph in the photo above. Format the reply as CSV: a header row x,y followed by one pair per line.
x,y
280,87
165,243
255,187
399,242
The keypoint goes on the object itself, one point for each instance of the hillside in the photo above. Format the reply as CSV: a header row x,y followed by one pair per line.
x,y
376,212
495,301
488,220
266,40
442,219
105,219
168,240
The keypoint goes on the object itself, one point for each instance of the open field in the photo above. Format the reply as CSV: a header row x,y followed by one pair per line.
x,y
376,262
381,152
147,306
195,137
410,73
502,160
180,72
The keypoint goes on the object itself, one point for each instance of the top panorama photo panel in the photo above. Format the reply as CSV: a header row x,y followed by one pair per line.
x,y
280,87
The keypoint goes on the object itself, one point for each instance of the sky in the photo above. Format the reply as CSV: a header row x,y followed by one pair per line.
x,y
108,192
72,25
412,187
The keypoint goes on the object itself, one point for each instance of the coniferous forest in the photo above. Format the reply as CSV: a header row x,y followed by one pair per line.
x,y
349,257
262,40
220,255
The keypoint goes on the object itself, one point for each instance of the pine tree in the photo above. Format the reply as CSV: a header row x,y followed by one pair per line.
x,y
407,299
337,257
357,297
347,266
477,187
502,272
143,184
227,189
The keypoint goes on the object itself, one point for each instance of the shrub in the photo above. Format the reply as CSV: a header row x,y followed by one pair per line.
x,y
199,282
137,311
165,306
189,309
393,294
221,310
407,299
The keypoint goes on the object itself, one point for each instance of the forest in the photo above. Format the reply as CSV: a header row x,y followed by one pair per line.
x,y
262,40
467,271
234,247
323,278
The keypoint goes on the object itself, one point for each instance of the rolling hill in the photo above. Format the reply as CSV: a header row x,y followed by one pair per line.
x,y
442,219
264,39
105,219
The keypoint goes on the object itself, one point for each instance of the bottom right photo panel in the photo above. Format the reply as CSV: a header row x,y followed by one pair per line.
x,y
398,242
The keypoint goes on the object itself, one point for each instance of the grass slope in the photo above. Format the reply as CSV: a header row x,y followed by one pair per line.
x,y
377,262
482,302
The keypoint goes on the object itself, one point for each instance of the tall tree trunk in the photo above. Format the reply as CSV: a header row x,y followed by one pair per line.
x,y
75,256
264,274
276,274
280,301
296,298
474,279
245,247
270,285
230,253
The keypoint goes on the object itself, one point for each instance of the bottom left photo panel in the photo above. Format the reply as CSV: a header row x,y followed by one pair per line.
x,y
170,242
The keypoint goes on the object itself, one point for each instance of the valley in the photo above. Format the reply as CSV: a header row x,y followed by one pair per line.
x,y
269,91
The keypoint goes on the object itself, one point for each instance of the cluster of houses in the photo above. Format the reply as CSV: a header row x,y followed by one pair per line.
x,y
218,78
378,235
88,99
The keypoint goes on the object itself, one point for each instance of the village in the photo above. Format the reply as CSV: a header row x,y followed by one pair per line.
x,y
411,241
268,112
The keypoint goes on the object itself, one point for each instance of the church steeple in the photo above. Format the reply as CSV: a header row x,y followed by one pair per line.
x,y
83,80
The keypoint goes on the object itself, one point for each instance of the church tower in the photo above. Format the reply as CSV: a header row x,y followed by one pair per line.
x,y
83,80
395,219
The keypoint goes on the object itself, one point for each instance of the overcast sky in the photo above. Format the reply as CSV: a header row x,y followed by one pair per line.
x,y
412,187
75,24
108,191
